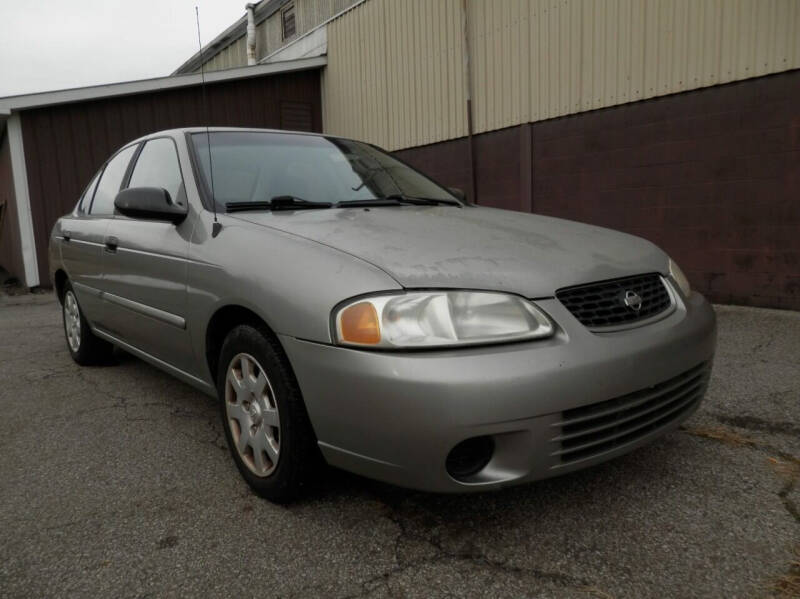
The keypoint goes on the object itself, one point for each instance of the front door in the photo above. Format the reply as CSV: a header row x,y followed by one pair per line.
x,y
145,265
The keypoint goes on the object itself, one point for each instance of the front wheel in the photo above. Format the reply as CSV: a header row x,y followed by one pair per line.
x,y
263,415
84,346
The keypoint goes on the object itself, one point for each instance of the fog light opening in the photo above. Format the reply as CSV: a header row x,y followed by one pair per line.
x,y
469,457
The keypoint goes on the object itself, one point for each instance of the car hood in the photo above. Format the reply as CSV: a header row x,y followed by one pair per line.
x,y
472,247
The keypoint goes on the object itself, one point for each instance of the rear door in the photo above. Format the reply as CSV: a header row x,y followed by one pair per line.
x,y
145,264
84,236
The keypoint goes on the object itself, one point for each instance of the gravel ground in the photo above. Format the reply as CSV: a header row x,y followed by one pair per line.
x,y
115,481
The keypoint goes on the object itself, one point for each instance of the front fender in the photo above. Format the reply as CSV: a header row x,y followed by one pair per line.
x,y
292,283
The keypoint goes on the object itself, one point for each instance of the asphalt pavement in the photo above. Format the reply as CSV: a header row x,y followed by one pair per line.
x,y
115,481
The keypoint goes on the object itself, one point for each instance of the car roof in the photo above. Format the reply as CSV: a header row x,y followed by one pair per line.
x,y
180,131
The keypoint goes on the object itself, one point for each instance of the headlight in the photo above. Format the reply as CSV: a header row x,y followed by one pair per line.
x,y
425,319
677,275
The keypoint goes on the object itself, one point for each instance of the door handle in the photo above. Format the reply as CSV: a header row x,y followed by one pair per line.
x,y
66,235
111,243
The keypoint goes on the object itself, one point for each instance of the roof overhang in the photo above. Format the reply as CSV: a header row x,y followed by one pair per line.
x,y
15,103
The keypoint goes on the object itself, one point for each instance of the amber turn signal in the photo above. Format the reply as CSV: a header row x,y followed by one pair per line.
x,y
359,324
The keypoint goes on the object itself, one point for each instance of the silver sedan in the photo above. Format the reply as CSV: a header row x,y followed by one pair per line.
x,y
345,308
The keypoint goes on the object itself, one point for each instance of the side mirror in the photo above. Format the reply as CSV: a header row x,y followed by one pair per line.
x,y
151,203
459,193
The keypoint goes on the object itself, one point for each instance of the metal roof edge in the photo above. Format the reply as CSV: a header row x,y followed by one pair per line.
x,y
15,103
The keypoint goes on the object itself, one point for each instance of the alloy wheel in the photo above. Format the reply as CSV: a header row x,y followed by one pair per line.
x,y
72,321
252,415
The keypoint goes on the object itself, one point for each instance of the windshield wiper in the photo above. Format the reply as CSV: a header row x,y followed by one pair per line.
x,y
396,199
276,203
421,201
367,203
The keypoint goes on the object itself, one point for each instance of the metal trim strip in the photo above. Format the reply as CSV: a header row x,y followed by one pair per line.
x,y
163,316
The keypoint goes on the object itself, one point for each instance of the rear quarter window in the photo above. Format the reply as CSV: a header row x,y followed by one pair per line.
x,y
86,196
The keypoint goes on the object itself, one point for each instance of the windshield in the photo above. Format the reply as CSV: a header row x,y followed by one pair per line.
x,y
251,166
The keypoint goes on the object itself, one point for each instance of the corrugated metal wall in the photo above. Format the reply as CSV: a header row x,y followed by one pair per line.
x,y
394,67
308,14
234,55
567,56
395,73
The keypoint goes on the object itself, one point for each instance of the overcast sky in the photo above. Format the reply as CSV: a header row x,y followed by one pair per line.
x,y
57,44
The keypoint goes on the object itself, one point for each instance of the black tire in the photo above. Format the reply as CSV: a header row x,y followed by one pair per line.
x,y
86,349
298,458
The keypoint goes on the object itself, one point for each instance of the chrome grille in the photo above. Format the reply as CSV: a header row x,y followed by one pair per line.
x,y
596,428
602,304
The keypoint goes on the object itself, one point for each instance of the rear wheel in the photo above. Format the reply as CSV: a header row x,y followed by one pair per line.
x,y
263,415
84,347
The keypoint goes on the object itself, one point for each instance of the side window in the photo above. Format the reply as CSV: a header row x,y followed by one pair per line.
x,y
110,182
86,197
288,23
157,166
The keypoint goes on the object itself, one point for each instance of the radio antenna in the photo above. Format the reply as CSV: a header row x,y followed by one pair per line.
x,y
216,227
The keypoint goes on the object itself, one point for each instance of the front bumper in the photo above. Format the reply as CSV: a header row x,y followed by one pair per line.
x,y
396,416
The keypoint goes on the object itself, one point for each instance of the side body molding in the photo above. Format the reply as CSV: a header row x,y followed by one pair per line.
x,y
167,317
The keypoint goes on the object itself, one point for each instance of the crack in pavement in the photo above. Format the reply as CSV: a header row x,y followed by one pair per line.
x,y
470,554
789,469
113,400
759,425
431,548
206,413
